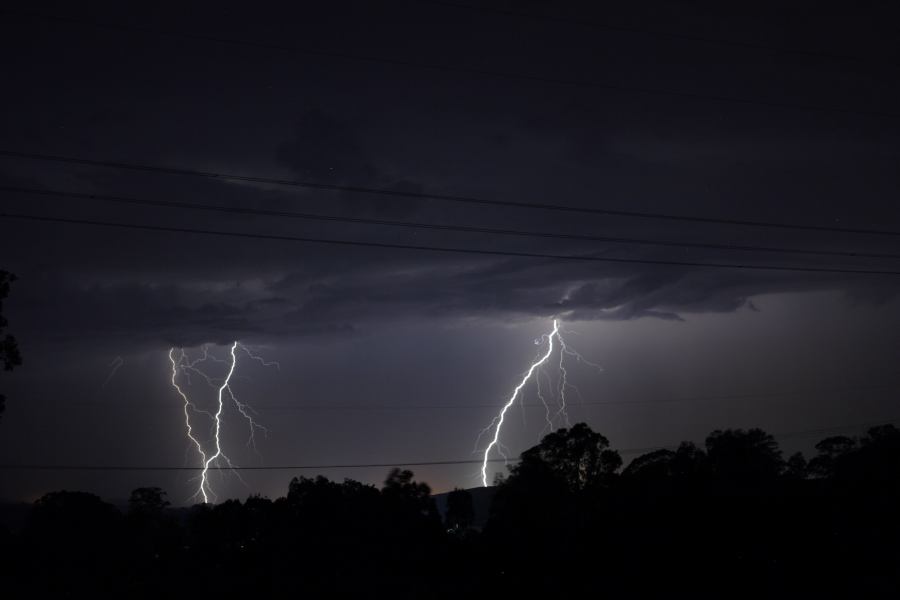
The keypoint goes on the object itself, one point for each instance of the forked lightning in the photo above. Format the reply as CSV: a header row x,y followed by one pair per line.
x,y
563,385
183,365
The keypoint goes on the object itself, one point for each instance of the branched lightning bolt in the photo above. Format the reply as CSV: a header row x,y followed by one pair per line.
x,y
182,364
498,420
563,384
187,417
536,370
243,409
566,350
204,480
260,359
540,395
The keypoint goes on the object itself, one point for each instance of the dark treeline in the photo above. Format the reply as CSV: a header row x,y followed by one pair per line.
x,y
731,519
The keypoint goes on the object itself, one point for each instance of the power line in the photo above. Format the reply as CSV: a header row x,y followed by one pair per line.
x,y
438,197
452,68
441,249
239,468
362,407
781,50
401,407
625,451
437,227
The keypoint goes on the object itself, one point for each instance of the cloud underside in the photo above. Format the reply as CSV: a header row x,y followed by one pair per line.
x,y
186,290
316,304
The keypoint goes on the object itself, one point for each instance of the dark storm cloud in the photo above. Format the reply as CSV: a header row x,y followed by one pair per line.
x,y
211,290
580,293
137,312
416,130
325,149
188,314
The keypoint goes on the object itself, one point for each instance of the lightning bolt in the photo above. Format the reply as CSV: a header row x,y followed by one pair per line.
x,y
114,366
498,420
260,359
204,476
182,364
540,394
187,417
536,370
563,383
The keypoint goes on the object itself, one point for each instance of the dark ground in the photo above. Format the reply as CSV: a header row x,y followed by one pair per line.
x,y
733,519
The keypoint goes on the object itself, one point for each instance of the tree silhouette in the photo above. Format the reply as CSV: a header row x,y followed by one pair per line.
x,y
578,457
80,536
743,457
551,501
832,451
796,467
153,534
652,467
874,459
66,511
401,487
9,348
147,501
729,520
409,502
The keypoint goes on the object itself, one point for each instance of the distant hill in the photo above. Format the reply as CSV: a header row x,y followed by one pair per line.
x,y
481,501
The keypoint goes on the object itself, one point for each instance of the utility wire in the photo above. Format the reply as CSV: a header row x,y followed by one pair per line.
x,y
239,468
441,249
439,197
583,83
625,451
436,226
671,35
366,407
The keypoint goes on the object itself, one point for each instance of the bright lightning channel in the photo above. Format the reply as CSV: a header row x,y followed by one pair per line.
x,y
498,420
188,405
182,364
204,476
536,370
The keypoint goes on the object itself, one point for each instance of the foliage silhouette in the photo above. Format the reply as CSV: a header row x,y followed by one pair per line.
x,y
730,519
147,501
9,348
745,458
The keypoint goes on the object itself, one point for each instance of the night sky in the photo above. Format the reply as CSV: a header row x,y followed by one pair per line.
x,y
782,112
